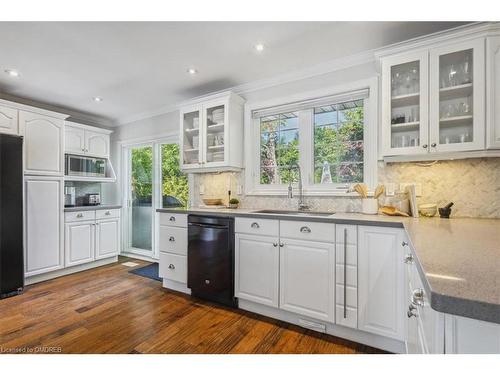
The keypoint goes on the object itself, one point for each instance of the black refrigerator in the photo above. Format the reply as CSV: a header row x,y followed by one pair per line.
x,y
11,215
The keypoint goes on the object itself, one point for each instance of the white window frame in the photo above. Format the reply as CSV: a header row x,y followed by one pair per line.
x,y
306,139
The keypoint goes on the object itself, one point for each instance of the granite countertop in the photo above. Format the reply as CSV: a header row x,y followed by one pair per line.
x,y
458,259
92,208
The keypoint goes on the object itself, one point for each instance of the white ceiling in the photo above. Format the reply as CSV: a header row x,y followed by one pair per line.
x,y
140,67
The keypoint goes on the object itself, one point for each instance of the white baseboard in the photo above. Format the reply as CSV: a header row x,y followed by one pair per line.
x,y
355,335
67,271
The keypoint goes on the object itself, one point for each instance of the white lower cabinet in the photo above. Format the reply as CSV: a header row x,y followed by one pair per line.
x,y
88,238
173,267
381,286
43,225
470,336
79,242
257,268
307,278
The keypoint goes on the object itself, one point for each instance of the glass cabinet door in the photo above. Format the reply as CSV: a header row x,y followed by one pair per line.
x,y
191,136
216,124
405,104
457,98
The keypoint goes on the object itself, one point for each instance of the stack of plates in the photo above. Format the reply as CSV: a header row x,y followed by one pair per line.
x,y
218,115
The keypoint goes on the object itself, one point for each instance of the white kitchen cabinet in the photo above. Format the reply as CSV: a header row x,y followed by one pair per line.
x,y
381,281
307,283
86,140
405,125
43,224
457,102
471,336
79,242
8,120
257,268
493,92
212,133
107,239
43,144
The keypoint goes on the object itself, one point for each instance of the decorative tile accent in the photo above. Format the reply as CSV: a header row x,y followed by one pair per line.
x,y
472,184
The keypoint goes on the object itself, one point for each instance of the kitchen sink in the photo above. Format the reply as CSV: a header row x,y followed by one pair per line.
x,y
293,212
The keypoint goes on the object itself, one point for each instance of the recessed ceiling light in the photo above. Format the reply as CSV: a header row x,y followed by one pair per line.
x,y
192,71
97,99
259,47
12,72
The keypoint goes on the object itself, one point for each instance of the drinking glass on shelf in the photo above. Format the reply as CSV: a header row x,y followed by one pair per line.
x,y
452,75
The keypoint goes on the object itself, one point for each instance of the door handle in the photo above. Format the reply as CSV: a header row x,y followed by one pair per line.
x,y
345,273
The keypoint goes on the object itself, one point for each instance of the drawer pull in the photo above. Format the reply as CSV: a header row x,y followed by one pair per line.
x,y
171,266
404,243
107,213
417,298
172,239
282,244
172,218
79,215
255,225
409,259
275,244
411,311
305,230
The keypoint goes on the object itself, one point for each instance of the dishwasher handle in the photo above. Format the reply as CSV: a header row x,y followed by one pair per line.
x,y
216,226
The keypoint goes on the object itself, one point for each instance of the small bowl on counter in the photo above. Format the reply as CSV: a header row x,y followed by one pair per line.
x,y
428,209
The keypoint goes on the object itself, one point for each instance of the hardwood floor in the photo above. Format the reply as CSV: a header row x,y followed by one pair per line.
x,y
109,310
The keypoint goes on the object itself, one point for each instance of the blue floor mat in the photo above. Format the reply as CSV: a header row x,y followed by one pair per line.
x,y
150,271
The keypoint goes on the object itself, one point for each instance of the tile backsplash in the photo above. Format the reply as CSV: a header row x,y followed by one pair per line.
x,y
472,184
82,188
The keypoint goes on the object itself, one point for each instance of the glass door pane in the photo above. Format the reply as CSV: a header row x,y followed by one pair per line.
x,y
405,105
191,138
174,183
455,97
141,198
214,146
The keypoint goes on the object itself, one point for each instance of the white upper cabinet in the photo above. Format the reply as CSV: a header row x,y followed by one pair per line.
x,y
457,106
8,120
74,142
404,107
493,92
43,143
212,133
86,140
440,98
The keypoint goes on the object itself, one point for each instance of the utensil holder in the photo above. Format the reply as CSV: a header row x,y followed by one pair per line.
x,y
369,206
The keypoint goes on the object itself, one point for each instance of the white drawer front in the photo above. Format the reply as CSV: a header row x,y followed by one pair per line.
x,y
264,227
173,240
107,214
352,254
79,216
350,319
309,231
173,219
173,267
352,295
346,231
352,275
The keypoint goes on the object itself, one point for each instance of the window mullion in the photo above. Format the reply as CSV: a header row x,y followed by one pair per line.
x,y
306,147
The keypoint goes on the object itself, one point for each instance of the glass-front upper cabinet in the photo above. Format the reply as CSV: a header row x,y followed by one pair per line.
x,y
191,157
457,87
404,106
215,115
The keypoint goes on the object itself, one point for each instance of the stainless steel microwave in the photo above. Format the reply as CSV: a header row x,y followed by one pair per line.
x,y
85,166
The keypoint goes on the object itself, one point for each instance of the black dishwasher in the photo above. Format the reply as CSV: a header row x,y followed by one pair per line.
x,y
211,258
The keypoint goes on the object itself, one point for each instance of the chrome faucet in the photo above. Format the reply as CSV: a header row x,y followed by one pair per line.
x,y
302,205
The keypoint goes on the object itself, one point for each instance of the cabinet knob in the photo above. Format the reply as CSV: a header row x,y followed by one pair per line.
x,y
255,225
171,266
409,259
172,239
172,218
305,230
417,298
424,145
404,243
433,144
207,281
411,312
275,244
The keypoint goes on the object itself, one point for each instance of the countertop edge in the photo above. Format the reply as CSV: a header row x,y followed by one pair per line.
x,y
473,309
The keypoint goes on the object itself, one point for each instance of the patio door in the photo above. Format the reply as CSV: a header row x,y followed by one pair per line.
x,y
152,180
